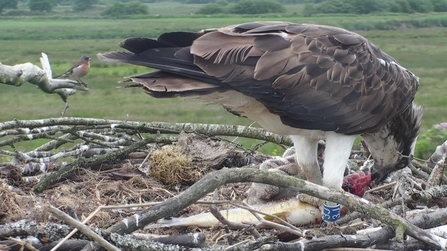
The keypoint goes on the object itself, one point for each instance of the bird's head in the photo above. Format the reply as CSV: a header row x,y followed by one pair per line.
x,y
392,145
381,172
85,58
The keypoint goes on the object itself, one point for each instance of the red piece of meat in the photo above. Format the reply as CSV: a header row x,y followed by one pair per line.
x,y
357,183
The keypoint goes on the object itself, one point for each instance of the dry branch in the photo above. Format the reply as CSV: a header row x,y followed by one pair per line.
x,y
51,231
437,162
430,194
67,170
189,240
115,139
84,229
360,240
104,137
19,74
129,242
215,179
26,127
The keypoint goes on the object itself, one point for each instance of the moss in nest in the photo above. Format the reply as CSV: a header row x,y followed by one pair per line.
x,y
171,167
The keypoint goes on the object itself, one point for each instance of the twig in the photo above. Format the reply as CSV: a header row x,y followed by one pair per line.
x,y
215,179
153,127
262,222
67,170
430,194
435,177
110,134
255,212
252,245
235,245
375,189
439,154
417,171
234,225
23,244
189,240
84,229
129,242
32,228
359,240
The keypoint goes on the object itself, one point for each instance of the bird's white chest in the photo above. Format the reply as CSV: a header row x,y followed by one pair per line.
x,y
251,108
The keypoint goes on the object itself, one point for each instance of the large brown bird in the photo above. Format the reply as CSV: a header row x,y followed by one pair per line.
x,y
308,81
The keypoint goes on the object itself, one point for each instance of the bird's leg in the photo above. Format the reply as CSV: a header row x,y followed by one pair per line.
x,y
306,157
65,109
260,193
338,149
82,82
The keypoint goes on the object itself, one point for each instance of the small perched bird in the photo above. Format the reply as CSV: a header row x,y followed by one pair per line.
x,y
78,70
312,82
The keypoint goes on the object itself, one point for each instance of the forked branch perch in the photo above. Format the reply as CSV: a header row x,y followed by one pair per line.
x,y
19,74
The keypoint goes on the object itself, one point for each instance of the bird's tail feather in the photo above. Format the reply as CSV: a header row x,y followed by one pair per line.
x,y
162,59
165,85
177,77
60,75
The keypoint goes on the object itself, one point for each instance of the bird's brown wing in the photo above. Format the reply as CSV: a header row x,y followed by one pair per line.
x,y
70,71
312,76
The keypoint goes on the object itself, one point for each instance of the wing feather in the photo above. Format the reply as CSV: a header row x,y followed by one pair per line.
x,y
311,76
275,63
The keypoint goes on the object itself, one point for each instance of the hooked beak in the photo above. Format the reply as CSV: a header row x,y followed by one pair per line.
x,y
377,177
380,173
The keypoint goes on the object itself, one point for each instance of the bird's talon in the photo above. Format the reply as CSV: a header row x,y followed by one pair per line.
x,y
310,200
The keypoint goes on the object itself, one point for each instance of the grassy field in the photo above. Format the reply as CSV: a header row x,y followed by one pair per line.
x,y
23,39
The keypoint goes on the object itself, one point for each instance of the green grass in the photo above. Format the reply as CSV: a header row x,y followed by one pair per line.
x,y
23,39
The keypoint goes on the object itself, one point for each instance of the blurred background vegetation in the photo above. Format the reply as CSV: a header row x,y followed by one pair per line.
x,y
114,8
412,31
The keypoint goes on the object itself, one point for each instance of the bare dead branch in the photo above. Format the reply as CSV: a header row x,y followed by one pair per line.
x,y
149,127
417,171
265,223
107,136
234,225
437,161
359,240
23,244
51,231
19,74
189,240
67,170
215,179
84,229
430,194
129,242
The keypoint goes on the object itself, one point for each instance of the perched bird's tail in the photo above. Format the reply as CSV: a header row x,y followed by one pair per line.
x,y
63,75
178,76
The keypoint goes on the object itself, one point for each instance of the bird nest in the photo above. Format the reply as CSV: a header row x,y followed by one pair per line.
x,y
119,177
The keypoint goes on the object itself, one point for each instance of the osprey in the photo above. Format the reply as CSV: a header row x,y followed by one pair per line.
x,y
311,82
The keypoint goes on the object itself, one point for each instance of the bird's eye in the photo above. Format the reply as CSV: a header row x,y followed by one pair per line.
x,y
402,164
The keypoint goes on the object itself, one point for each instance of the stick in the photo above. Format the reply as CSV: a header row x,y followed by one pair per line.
x,y
215,179
84,229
